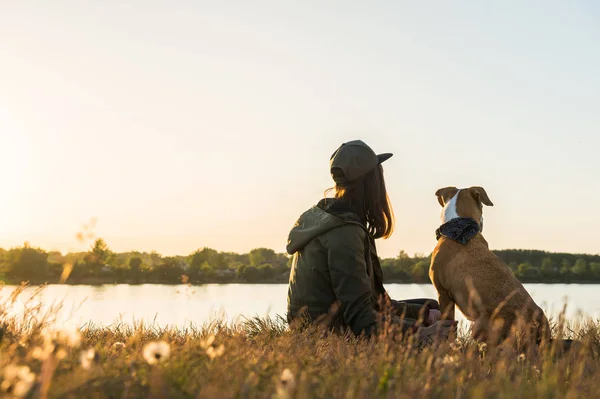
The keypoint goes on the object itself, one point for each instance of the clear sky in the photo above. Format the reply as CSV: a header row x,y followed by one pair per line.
x,y
187,124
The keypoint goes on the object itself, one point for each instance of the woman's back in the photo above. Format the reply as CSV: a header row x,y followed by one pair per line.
x,y
331,265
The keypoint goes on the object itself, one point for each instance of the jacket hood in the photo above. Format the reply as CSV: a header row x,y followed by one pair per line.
x,y
327,215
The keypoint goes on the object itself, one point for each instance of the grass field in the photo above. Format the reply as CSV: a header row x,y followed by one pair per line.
x,y
262,358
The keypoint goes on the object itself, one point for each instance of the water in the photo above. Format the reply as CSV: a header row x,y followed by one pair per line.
x,y
180,305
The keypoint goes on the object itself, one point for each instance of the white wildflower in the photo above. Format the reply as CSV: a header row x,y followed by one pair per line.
x,y
449,360
287,378
207,343
60,353
87,358
42,353
67,337
215,353
119,345
156,352
521,358
16,381
286,385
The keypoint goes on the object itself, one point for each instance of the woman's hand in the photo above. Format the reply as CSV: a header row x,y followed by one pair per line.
x,y
434,316
439,329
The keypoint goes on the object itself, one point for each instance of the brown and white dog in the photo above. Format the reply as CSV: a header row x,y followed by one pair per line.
x,y
467,274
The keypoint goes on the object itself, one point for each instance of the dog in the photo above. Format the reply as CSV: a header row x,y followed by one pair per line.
x,y
467,274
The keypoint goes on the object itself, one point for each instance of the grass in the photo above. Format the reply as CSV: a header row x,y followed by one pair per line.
x,y
263,358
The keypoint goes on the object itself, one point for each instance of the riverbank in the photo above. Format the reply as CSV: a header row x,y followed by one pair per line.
x,y
101,282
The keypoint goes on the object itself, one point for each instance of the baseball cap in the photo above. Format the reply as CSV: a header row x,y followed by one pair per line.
x,y
354,159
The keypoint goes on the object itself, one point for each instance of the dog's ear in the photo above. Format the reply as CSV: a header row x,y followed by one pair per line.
x,y
444,194
481,196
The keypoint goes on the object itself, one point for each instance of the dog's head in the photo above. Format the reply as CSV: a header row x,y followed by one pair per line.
x,y
466,203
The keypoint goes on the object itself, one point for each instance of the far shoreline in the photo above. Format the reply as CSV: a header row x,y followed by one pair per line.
x,y
199,284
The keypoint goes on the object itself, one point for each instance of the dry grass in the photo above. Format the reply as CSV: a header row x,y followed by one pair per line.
x,y
262,358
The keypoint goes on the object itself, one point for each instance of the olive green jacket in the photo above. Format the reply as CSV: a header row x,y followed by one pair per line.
x,y
336,275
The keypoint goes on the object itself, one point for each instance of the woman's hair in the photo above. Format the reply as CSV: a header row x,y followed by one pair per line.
x,y
368,197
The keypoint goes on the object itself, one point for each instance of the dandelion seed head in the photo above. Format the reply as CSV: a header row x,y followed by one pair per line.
x,y
449,360
42,353
286,385
69,337
215,353
287,377
119,345
156,352
87,358
60,353
17,381
207,343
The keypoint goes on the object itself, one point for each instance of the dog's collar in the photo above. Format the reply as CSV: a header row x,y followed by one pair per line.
x,y
458,229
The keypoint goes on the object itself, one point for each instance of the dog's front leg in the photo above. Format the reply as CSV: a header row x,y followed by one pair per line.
x,y
446,305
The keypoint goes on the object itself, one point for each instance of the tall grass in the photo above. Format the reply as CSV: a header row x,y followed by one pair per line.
x,y
263,358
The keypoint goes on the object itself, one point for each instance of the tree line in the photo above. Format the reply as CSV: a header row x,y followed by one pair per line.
x,y
530,266
100,265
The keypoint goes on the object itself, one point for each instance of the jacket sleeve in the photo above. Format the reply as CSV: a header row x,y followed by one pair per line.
x,y
410,310
352,286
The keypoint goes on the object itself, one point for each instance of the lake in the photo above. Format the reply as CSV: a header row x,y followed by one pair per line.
x,y
180,305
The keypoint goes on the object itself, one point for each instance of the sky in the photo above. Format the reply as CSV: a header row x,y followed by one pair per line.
x,y
180,125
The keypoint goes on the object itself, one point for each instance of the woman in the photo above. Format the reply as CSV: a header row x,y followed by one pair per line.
x,y
336,277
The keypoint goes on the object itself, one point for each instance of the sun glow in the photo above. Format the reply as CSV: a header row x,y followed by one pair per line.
x,y
15,167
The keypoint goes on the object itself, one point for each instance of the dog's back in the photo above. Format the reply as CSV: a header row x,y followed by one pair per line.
x,y
467,274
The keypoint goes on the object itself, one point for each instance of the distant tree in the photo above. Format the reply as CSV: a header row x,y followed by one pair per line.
x,y
595,269
281,262
565,268
197,258
580,268
135,263
240,272
526,269
404,263
169,271
219,261
548,267
56,257
207,270
155,259
388,267
260,256
267,271
251,273
135,267
213,257
421,271
94,260
27,264
100,251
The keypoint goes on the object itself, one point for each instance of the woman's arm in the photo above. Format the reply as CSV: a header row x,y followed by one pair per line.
x,y
417,311
345,247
